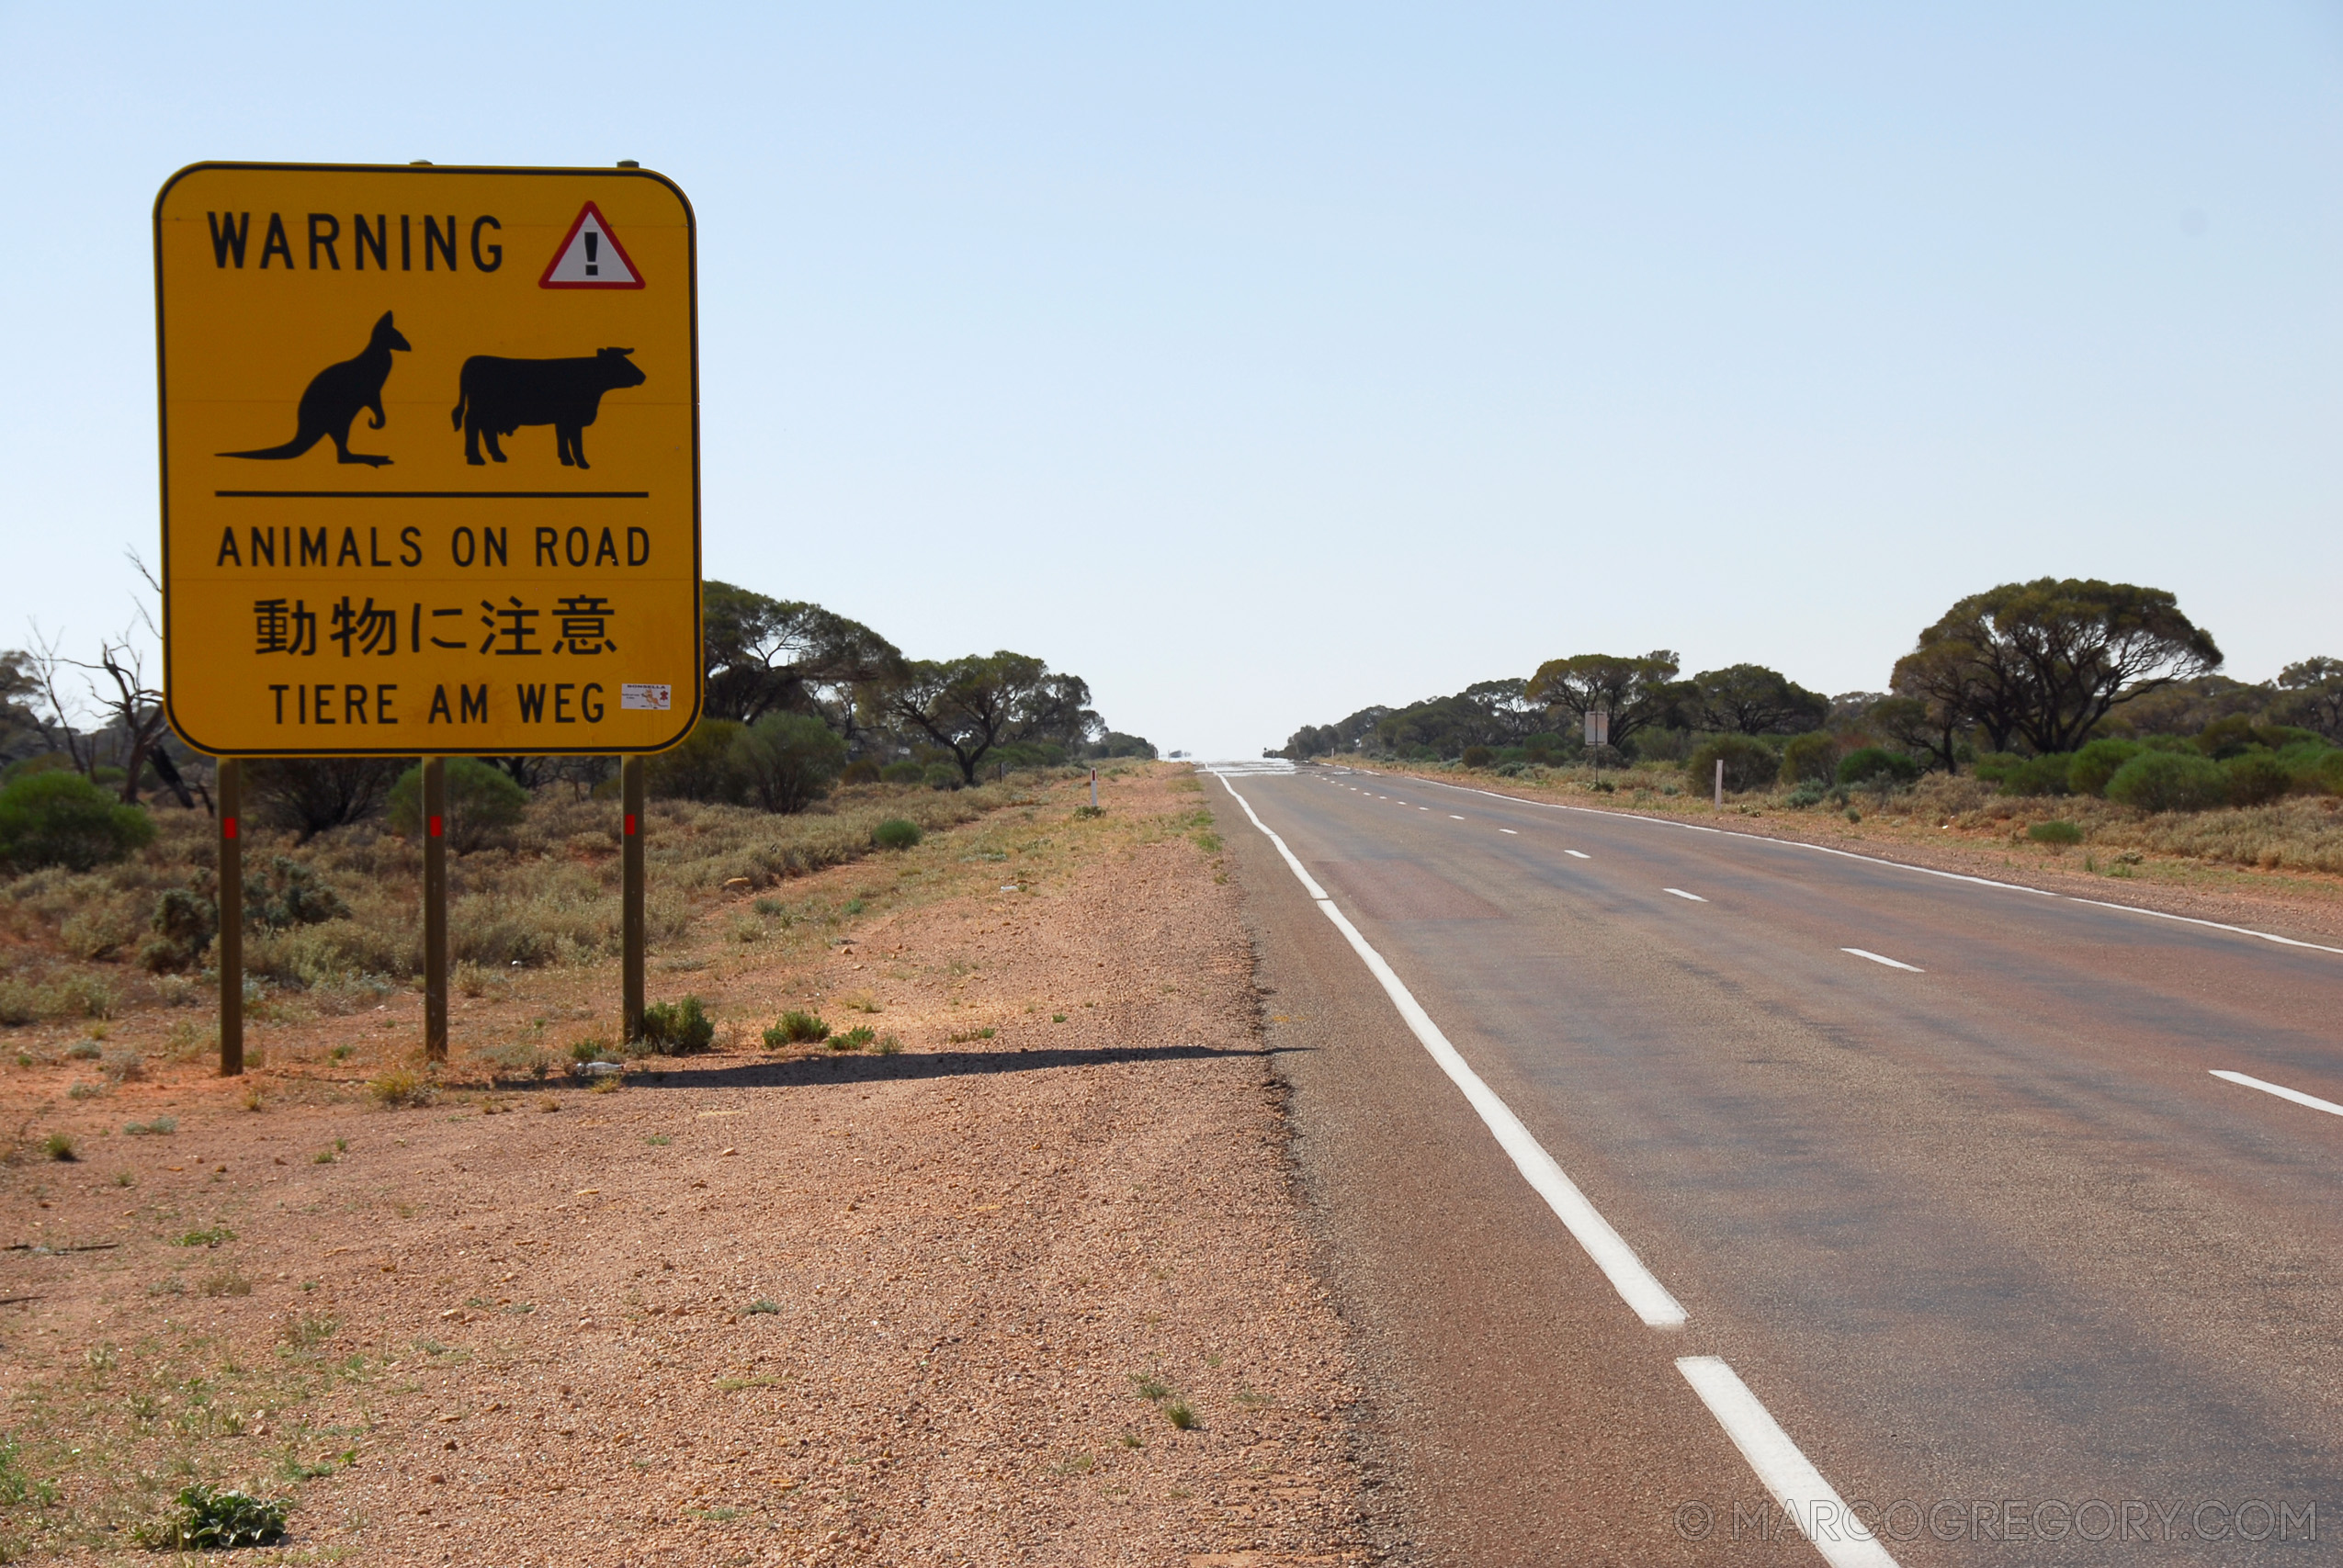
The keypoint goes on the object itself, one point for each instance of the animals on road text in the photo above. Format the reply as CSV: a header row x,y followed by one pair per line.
x,y
335,397
495,396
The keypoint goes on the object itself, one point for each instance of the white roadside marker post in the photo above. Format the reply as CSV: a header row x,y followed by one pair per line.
x,y
1719,804
1094,789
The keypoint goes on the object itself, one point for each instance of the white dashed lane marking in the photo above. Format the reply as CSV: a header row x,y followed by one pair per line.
x,y
1682,894
1822,1515
2281,1091
1892,963
1578,854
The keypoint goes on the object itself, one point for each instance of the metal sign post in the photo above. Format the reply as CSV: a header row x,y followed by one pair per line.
x,y
230,952
630,881
351,569
434,908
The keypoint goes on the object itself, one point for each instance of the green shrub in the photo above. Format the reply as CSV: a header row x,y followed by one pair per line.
x,y
854,1038
1477,757
787,760
482,802
24,767
1749,764
702,768
2054,833
2096,763
183,923
2231,735
2170,781
287,895
205,1519
2302,760
2034,777
90,995
99,929
942,775
1878,766
1810,758
58,1146
905,771
2325,773
56,817
678,1028
895,834
2256,778
1813,792
797,1027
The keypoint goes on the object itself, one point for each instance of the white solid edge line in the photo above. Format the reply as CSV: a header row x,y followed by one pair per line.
x,y
1682,894
2281,1091
1822,1516
1891,963
1298,869
1901,865
1785,843
2193,921
1636,1285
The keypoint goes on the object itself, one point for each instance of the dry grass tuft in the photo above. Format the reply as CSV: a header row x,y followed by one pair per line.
x,y
396,1087
547,895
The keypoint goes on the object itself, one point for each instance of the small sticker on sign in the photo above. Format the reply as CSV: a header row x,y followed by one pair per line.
x,y
651,698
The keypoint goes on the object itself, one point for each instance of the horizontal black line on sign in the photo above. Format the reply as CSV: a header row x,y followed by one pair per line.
x,y
435,494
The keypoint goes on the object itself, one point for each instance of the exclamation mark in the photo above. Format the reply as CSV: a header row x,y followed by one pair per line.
x,y
592,241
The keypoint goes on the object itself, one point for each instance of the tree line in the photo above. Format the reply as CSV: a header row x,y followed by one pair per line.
x,y
798,699
2024,676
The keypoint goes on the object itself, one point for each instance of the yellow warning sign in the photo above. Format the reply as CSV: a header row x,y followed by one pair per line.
x,y
430,459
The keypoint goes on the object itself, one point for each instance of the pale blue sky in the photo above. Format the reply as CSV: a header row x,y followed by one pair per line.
x,y
1262,362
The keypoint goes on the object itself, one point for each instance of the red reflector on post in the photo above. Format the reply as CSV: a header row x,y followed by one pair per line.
x,y
227,827
435,827
630,824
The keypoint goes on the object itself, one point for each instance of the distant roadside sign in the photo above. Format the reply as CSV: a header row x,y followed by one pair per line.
x,y
430,459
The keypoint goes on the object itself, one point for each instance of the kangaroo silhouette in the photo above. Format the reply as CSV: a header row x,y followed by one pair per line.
x,y
336,395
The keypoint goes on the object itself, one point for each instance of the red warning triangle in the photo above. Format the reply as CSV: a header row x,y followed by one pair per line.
x,y
591,258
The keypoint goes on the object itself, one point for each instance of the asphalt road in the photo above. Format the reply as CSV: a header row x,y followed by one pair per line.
x,y
2008,1268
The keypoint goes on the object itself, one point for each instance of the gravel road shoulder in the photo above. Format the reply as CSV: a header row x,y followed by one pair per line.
x,y
1034,1288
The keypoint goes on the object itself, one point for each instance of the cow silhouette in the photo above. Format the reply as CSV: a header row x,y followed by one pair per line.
x,y
334,396
495,396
